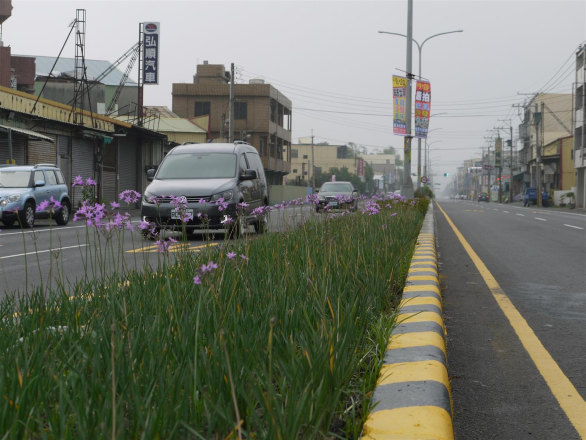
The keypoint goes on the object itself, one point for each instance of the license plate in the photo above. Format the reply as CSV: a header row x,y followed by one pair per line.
x,y
175,214
333,203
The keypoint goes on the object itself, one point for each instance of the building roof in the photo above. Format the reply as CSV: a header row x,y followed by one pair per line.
x,y
94,69
163,110
178,125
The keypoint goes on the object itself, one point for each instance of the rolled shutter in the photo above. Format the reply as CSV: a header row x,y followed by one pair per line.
x,y
18,148
82,164
41,151
127,165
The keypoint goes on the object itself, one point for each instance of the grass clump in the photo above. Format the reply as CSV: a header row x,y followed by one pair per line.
x,y
283,338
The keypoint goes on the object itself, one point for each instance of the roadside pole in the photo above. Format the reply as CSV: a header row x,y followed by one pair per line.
x,y
511,168
537,120
231,116
407,187
312,162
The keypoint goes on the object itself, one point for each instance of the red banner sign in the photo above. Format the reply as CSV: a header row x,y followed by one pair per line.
x,y
422,108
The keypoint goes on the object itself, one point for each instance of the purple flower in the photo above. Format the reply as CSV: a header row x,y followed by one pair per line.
x,y
196,280
202,201
221,204
90,182
129,196
143,225
384,227
114,205
231,255
227,220
244,257
164,246
393,214
242,205
78,181
43,205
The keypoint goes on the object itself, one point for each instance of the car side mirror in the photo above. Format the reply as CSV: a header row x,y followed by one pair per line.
x,y
355,192
150,175
316,191
39,183
248,175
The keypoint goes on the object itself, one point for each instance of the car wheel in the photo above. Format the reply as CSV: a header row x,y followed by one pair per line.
x,y
27,215
8,223
62,217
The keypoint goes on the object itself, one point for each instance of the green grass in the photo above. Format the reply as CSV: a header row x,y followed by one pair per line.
x,y
287,344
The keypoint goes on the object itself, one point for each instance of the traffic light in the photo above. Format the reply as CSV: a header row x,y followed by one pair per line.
x,y
446,174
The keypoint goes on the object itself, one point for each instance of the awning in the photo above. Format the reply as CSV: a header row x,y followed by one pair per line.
x,y
30,133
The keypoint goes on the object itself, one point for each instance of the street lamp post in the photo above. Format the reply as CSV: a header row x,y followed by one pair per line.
x,y
427,156
420,47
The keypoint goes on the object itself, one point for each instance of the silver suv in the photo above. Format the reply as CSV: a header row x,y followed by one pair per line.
x,y
30,192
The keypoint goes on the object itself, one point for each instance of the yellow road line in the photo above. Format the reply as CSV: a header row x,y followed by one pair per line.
x,y
566,394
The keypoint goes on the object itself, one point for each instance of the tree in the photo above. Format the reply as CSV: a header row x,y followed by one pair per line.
x,y
388,150
322,143
398,161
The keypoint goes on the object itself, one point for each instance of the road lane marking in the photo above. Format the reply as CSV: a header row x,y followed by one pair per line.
x,y
506,212
564,391
542,219
570,226
521,215
48,229
42,252
174,248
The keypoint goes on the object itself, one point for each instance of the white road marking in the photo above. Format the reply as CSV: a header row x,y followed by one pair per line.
x,y
506,212
542,219
522,215
570,226
42,252
55,229
495,210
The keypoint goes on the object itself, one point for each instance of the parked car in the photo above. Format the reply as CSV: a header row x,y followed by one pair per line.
x,y
211,180
530,197
337,195
23,188
483,197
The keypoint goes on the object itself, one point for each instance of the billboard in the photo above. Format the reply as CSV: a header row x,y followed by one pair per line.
x,y
360,166
399,96
150,53
498,151
422,108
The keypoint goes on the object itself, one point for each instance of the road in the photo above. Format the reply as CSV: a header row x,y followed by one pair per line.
x,y
46,254
516,355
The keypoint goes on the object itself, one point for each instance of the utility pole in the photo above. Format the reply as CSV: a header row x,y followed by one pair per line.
x,y
537,121
231,115
407,187
511,167
312,161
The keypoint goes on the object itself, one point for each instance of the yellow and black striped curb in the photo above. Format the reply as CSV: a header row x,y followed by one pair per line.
x,y
413,397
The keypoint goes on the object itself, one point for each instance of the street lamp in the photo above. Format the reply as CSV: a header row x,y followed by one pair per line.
x,y
427,152
420,47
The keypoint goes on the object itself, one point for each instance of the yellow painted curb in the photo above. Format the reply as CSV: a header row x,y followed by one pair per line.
x,y
414,372
417,339
414,422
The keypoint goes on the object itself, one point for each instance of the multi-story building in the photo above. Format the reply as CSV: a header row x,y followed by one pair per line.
x,y
326,158
547,118
16,72
262,114
580,128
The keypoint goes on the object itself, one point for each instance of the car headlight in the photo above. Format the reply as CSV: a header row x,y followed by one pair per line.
x,y
3,203
321,199
226,195
147,196
13,198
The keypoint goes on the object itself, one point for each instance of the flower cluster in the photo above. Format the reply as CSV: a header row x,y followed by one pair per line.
x,y
78,181
129,196
91,213
203,270
88,187
163,246
49,205
180,206
221,204
372,208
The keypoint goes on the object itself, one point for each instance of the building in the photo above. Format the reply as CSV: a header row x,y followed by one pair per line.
x,y
326,158
16,72
59,85
580,128
114,153
262,114
547,119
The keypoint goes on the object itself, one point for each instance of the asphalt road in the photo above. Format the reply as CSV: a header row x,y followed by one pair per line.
x,y
538,257
46,254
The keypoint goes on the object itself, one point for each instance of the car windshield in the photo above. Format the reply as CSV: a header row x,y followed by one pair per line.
x,y
14,179
198,166
336,187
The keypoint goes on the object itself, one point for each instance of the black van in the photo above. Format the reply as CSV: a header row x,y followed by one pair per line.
x,y
211,180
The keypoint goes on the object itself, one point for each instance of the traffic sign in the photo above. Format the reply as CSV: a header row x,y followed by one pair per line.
x,y
423,179
488,167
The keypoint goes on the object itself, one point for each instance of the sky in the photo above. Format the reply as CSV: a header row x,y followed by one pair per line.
x,y
330,60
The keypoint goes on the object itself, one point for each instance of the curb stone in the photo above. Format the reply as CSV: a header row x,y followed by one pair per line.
x,y
413,396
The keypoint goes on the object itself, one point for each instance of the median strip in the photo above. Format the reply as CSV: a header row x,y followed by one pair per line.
x,y
413,397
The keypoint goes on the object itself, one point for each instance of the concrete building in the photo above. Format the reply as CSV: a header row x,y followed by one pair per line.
x,y
547,118
114,153
262,114
579,152
326,157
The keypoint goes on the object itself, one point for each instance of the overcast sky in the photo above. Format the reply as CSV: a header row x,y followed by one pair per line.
x,y
329,56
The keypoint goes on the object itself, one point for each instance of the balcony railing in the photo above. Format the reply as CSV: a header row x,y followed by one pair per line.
x,y
276,165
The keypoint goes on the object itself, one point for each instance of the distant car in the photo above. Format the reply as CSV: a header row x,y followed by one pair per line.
x,y
337,195
530,197
23,188
483,197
